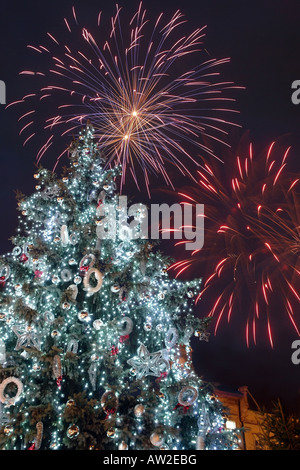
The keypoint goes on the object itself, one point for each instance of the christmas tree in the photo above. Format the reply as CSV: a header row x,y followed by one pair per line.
x,y
95,346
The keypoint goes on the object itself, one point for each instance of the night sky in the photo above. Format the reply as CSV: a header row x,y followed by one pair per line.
x,y
262,38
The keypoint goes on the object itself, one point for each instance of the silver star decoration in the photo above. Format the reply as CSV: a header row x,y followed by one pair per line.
x,y
146,363
50,193
53,223
26,338
203,336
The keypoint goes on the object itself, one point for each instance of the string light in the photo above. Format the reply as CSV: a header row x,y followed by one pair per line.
x,y
79,330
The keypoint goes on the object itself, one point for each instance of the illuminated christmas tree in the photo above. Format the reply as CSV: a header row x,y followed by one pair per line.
x,y
95,336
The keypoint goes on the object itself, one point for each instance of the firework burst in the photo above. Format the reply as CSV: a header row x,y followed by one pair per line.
x,y
252,238
148,109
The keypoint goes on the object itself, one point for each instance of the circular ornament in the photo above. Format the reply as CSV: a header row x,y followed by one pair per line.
x,y
171,338
84,316
156,439
4,273
73,238
77,280
66,306
147,327
110,432
139,410
70,403
73,431
87,262
97,324
115,288
55,333
8,430
66,275
72,346
55,279
109,397
9,401
126,326
99,279
187,396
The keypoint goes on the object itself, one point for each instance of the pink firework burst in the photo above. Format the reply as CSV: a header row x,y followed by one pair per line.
x,y
150,108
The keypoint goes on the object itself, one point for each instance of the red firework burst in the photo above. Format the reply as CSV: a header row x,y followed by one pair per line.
x,y
252,240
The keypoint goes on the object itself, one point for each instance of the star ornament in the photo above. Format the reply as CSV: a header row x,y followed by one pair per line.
x,y
146,363
202,335
27,338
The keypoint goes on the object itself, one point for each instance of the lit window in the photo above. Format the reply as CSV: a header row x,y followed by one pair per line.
x,y
230,424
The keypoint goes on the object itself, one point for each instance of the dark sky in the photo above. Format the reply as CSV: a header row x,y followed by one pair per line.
x,y
263,40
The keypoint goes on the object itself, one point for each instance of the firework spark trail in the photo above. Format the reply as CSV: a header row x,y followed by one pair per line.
x,y
146,114
252,238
